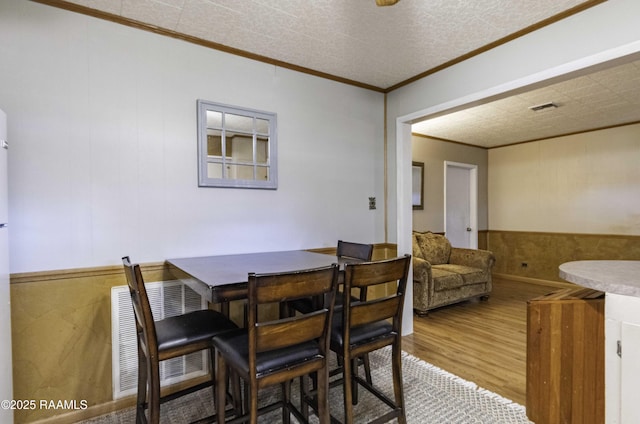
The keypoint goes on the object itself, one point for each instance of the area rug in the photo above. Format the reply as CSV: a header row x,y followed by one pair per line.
x,y
432,396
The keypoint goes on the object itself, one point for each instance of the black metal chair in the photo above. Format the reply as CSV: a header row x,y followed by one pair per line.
x,y
165,339
276,350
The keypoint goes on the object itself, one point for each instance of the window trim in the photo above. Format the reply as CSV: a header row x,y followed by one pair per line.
x,y
272,148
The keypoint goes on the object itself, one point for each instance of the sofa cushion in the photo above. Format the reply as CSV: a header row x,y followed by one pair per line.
x,y
434,248
470,275
445,280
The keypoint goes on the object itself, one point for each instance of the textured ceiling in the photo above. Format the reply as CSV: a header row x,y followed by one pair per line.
x,y
350,39
603,98
381,48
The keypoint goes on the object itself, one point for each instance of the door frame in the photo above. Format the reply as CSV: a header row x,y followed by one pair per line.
x,y
404,218
473,198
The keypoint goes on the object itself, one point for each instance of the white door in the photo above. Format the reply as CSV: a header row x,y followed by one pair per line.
x,y
6,385
460,211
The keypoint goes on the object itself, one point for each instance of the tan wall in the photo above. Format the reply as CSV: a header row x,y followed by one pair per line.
x,y
433,153
61,329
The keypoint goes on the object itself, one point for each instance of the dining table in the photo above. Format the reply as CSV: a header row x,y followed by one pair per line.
x,y
224,278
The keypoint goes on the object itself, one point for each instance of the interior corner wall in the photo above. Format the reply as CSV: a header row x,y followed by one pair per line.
x,y
585,183
102,125
433,153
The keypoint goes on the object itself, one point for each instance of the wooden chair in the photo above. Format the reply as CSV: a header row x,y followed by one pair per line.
x,y
275,351
348,251
363,326
165,339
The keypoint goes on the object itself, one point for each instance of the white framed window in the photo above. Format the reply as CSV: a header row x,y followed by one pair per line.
x,y
237,147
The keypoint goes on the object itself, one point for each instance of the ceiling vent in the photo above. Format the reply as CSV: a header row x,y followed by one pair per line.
x,y
543,106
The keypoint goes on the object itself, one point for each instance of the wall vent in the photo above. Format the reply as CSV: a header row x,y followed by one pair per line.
x,y
543,106
167,298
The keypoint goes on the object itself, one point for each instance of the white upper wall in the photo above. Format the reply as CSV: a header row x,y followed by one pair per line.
x,y
583,183
601,32
102,125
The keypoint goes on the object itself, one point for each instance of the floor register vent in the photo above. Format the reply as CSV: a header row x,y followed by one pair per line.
x,y
167,298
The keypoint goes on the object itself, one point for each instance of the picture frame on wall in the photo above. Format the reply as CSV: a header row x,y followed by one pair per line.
x,y
417,177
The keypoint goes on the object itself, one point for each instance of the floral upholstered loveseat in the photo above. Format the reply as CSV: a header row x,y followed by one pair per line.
x,y
443,275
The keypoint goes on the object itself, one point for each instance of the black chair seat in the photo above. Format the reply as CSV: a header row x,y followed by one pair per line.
x,y
360,334
237,342
190,328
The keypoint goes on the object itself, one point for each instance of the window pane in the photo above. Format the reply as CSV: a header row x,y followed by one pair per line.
x,y
214,144
262,126
262,150
242,149
214,170
238,123
214,119
262,173
240,172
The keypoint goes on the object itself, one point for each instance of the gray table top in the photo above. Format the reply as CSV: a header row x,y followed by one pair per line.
x,y
618,277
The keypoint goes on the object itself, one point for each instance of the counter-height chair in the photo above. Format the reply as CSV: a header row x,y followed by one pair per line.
x,y
165,339
363,326
348,251
273,350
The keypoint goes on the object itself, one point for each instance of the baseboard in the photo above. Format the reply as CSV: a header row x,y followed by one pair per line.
x,y
114,405
90,412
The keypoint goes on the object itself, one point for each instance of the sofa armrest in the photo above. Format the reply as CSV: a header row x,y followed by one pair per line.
x,y
421,270
475,258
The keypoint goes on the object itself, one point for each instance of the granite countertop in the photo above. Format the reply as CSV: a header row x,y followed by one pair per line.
x,y
618,277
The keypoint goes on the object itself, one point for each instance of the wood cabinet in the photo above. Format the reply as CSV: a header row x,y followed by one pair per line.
x,y
565,357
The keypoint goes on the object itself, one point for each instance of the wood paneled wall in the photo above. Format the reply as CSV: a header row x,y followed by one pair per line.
x,y
543,253
61,320
61,329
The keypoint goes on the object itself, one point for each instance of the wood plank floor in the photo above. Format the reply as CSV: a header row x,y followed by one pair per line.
x,y
483,342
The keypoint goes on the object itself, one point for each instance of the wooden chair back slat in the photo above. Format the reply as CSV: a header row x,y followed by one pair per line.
x,y
373,311
360,251
282,333
375,273
291,331
277,288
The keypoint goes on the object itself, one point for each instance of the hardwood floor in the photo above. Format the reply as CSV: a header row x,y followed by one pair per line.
x,y
481,341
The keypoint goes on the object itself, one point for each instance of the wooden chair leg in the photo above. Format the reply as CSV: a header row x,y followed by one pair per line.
x,y
304,392
221,389
212,372
324,415
253,403
153,372
236,389
354,383
286,399
367,368
347,388
142,387
396,364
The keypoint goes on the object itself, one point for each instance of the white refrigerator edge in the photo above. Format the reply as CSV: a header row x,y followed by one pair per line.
x,y
6,369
